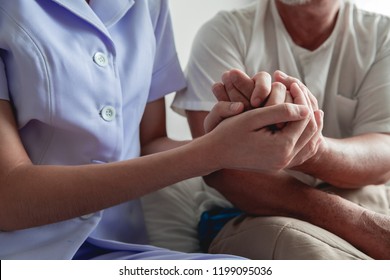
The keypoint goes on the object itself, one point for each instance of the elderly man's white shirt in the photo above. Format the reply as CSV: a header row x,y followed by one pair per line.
x,y
349,73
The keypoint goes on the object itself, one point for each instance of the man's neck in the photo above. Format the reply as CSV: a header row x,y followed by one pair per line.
x,y
309,25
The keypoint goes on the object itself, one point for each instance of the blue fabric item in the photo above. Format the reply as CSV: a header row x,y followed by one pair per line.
x,y
89,251
211,222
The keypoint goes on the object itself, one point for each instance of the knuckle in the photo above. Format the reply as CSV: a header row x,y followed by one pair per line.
x,y
312,125
289,110
278,86
263,88
265,76
311,147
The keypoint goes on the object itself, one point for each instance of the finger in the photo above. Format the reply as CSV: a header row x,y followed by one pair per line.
x,y
263,85
320,119
283,78
294,130
301,91
242,82
221,111
304,151
288,81
298,95
288,98
312,98
277,95
219,92
234,94
307,138
310,149
280,113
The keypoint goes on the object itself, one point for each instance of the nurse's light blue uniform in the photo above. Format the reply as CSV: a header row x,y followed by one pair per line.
x,y
79,78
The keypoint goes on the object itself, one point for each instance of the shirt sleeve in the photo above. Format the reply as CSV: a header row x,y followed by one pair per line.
x,y
216,49
373,109
167,73
3,82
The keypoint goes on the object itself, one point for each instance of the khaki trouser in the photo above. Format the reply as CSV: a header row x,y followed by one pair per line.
x,y
172,216
288,238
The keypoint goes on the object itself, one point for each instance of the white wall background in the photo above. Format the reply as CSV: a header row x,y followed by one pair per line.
x,y
189,15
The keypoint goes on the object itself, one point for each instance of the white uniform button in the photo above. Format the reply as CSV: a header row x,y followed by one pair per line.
x,y
87,216
108,113
100,59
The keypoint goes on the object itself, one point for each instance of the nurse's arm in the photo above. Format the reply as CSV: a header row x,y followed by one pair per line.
x,y
33,195
153,129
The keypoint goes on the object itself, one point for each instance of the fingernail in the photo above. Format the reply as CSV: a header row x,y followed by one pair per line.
x,y
233,78
256,102
282,74
235,106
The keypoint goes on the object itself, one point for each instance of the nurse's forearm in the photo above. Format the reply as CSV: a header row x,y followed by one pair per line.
x,y
160,145
352,162
36,195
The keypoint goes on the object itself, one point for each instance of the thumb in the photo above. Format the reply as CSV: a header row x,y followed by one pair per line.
x,y
221,111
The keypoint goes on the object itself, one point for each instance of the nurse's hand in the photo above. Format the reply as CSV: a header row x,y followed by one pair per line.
x,y
245,142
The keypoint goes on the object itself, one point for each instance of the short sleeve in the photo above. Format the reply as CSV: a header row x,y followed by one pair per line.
x,y
373,109
3,82
216,49
167,73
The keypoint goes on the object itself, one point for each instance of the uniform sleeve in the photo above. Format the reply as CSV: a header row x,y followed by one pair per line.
x,y
3,82
216,49
373,109
167,73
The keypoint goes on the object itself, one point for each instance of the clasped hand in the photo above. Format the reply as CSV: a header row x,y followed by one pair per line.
x,y
277,124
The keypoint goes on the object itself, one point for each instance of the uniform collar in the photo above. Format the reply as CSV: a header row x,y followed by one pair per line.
x,y
102,13
111,11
